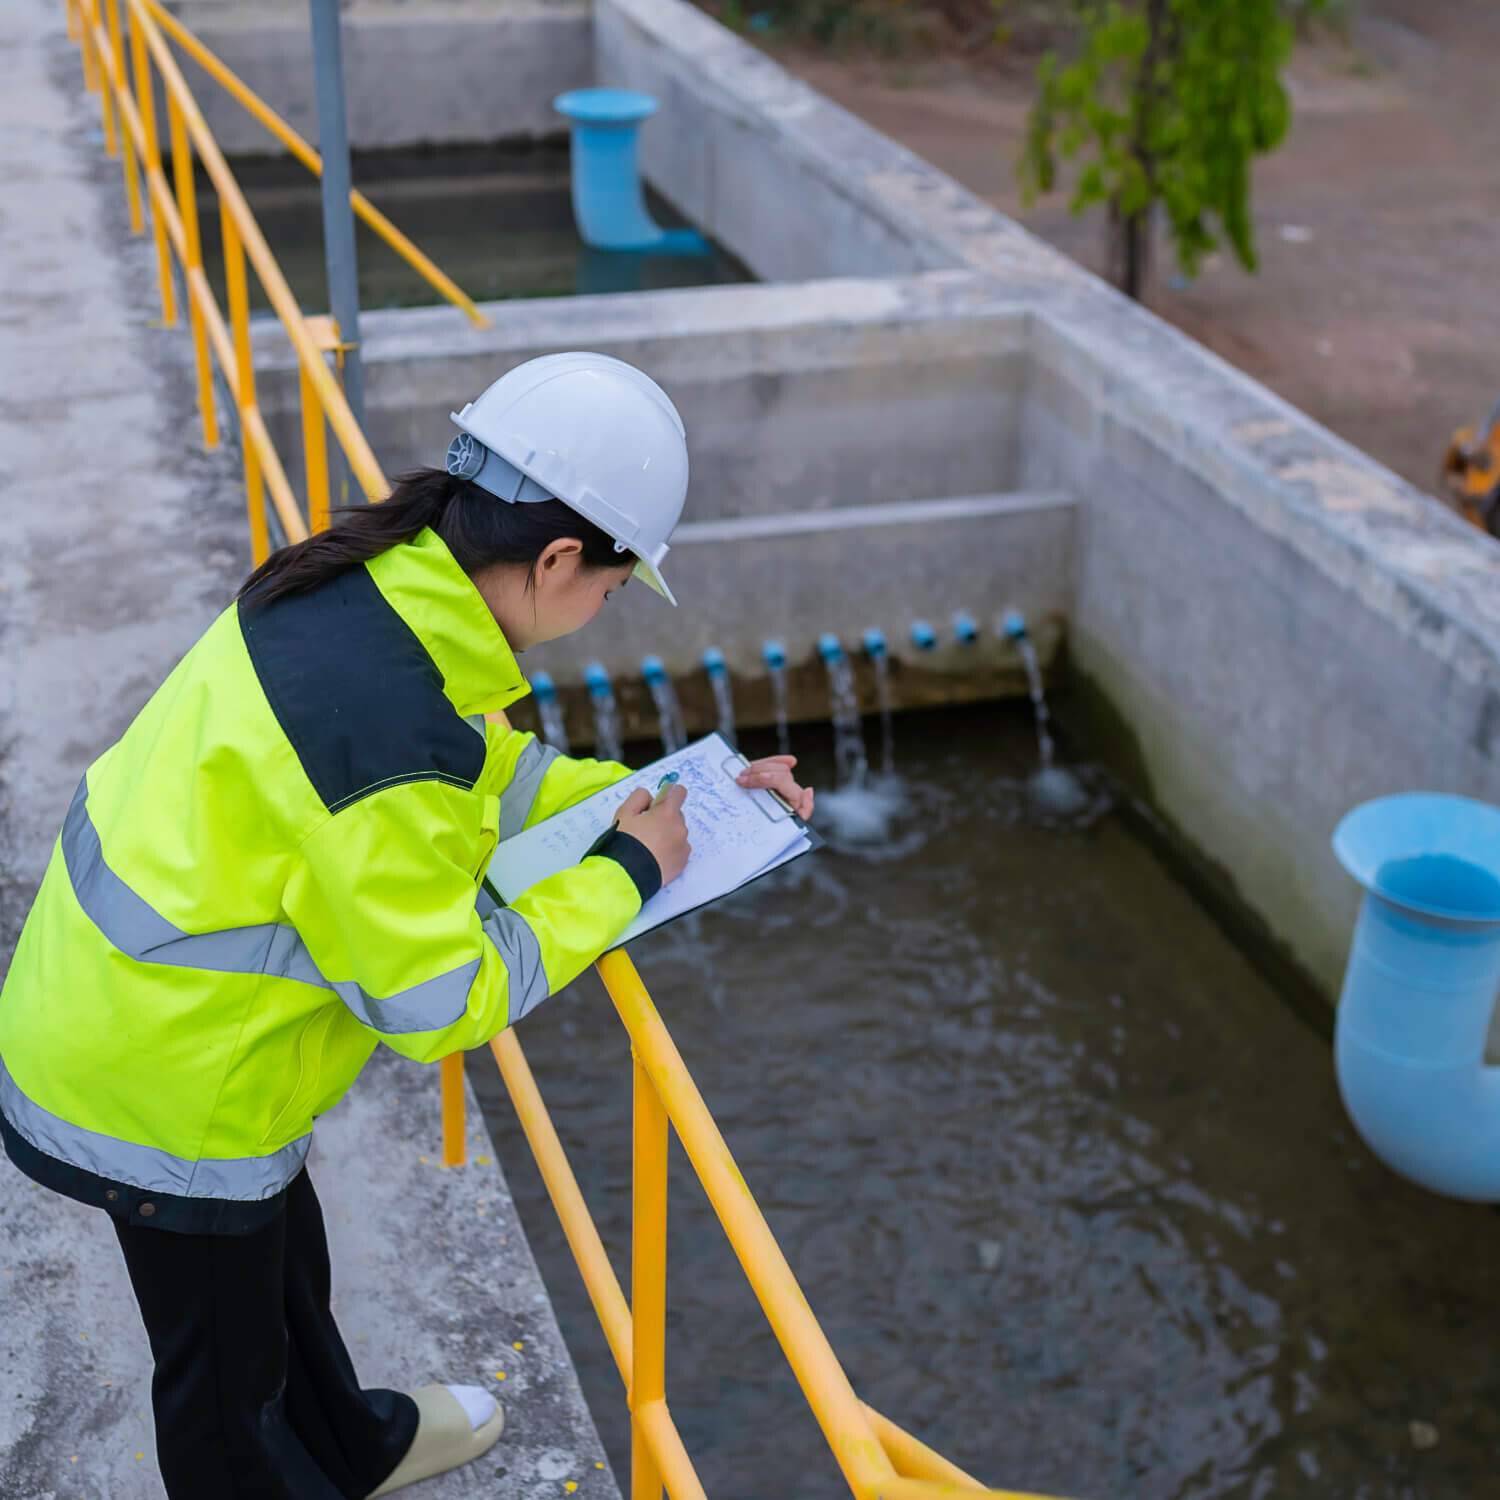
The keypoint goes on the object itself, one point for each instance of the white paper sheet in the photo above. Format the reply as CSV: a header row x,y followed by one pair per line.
x,y
735,834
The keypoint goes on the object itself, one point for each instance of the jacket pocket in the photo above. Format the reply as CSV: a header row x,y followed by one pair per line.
x,y
489,836
295,1116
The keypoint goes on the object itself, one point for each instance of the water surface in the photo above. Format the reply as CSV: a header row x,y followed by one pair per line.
x,y
1067,1184
498,219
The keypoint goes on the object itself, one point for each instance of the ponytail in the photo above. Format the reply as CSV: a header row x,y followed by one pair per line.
x,y
477,529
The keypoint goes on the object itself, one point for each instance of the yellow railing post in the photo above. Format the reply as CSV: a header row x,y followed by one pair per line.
x,y
122,83
648,1282
86,39
239,319
187,211
74,33
101,76
454,1150
145,99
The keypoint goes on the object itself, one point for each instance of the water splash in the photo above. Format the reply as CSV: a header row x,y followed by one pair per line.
x,y
550,710
1055,792
851,768
774,655
875,649
718,680
668,712
607,744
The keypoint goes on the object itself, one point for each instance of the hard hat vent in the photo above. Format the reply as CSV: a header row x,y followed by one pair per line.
x,y
465,456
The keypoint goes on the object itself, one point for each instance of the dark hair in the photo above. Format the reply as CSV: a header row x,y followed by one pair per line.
x,y
477,528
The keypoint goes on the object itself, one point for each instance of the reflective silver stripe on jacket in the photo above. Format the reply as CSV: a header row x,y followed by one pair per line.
x,y
532,764
245,1178
139,931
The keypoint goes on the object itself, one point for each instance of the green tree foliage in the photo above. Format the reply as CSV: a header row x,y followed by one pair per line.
x,y
1163,101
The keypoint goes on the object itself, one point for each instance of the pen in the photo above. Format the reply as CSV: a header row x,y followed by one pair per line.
x,y
664,786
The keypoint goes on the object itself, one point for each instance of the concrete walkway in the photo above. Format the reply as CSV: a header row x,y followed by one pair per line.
x,y
122,541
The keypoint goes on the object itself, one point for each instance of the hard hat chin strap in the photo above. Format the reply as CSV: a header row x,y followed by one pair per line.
x,y
469,459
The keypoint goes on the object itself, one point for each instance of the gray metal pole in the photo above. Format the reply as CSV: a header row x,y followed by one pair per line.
x,y
338,217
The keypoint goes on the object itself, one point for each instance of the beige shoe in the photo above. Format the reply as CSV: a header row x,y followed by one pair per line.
x,y
444,1438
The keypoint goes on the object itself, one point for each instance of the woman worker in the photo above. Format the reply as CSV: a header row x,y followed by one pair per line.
x,y
278,865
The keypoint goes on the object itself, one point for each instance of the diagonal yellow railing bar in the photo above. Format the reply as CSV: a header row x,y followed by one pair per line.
x,y
610,1306
838,1410
356,447
309,157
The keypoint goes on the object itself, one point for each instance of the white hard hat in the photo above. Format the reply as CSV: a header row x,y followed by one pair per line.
x,y
588,430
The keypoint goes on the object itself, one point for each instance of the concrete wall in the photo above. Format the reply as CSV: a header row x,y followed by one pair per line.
x,y
1287,628
440,72
834,393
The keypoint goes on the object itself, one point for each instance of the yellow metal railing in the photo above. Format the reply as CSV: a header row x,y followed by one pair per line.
x,y
878,1459
310,159
127,103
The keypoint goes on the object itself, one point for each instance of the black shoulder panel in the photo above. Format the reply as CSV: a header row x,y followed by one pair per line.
x,y
356,693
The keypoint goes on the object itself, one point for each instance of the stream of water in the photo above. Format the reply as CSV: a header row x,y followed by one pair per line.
x,y
668,713
724,706
779,700
554,728
851,765
1068,1186
606,724
1038,701
882,666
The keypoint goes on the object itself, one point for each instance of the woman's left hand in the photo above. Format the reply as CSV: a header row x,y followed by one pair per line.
x,y
774,774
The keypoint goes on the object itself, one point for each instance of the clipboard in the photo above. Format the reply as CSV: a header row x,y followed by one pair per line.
x,y
738,834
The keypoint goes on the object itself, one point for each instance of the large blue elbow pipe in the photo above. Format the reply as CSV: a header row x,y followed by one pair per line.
x,y
1420,989
607,199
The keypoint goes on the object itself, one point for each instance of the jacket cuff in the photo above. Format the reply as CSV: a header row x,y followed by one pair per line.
x,y
634,858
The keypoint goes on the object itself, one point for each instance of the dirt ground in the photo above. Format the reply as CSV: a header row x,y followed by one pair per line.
x,y
1376,308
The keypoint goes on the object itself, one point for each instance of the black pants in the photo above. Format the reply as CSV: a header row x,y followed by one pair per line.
x,y
254,1394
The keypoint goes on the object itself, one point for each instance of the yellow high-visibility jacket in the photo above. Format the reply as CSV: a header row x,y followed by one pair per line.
x,y
277,866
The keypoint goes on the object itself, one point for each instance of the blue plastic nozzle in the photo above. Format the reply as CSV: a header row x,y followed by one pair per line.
x,y
923,637
830,648
653,669
713,661
543,686
874,642
965,631
596,678
774,654
1014,625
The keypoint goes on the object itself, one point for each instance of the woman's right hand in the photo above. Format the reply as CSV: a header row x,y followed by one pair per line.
x,y
661,829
